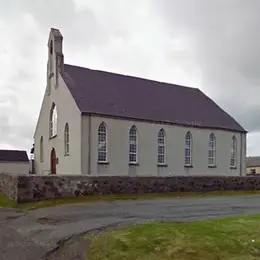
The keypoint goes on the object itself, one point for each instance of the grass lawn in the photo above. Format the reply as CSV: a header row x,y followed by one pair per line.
x,y
4,202
236,238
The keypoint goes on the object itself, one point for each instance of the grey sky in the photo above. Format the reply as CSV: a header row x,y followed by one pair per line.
x,y
210,44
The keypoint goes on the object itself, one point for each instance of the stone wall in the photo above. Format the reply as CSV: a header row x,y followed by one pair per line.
x,y
32,187
8,185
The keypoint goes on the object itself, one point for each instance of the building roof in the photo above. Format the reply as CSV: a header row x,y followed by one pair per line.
x,y
253,161
110,94
13,156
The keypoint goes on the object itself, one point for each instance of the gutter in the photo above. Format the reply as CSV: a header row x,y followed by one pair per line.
x,y
89,144
242,146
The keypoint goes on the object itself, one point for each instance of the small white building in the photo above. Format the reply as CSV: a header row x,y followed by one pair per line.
x,y
101,123
14,161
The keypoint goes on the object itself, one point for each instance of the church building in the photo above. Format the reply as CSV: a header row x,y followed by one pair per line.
x,y
101,123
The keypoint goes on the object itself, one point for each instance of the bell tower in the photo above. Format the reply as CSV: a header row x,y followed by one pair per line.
x,y
55,63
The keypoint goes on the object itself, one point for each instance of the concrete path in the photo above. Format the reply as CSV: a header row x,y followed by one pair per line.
x,y
31,236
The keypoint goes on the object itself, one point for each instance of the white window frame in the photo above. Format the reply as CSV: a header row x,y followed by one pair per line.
x,y
66,140
53,121
102,143
212,150
41,150
188,149
161,143
133,145
233,159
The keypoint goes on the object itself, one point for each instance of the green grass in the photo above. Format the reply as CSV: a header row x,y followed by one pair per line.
x,y
4,202
236,238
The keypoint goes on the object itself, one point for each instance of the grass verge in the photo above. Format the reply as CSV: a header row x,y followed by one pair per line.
x,y
236,238
4,202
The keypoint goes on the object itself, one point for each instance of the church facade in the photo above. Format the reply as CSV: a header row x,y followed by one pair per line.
x,y
99,123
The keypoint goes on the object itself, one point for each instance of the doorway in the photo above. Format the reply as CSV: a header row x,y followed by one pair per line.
x,y
53,161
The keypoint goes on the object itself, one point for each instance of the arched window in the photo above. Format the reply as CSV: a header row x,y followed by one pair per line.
x,y
188,149
161,147
133,145
66,139
53,121
212,150
41,150
102,143
233,160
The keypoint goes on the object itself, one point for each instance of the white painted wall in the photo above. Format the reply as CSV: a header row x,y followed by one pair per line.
x,y
175,137
67,113
15,167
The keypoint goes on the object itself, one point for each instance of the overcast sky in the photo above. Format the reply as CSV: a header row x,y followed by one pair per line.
x,y
209,44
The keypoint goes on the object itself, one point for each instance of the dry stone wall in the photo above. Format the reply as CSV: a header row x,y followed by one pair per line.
x,y
8,185
32,187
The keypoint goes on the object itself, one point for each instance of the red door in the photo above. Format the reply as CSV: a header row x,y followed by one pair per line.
x,y
53,161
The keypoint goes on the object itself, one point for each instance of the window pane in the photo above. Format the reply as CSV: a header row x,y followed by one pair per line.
x,y
132,134
102,137
187,160
161,141
211,161
160,158
188,139
187,152
232,162
211,153
132,157
132,138
132,148
187,143
132,142
160,149
101,156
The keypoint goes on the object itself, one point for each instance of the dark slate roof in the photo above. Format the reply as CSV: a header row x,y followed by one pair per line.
x,y
105,93
253,161
13,156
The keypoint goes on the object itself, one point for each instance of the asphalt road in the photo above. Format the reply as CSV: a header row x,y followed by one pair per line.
x,y
30,236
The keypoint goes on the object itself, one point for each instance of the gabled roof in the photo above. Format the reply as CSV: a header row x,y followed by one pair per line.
x,y
13,156
253,161
110,94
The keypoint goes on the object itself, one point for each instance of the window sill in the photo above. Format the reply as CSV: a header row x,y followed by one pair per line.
x,y
133,164
212,166
188,166
162,165
103,163
52,137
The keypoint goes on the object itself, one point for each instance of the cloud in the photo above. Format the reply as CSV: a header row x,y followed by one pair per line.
x,y
225,40
208,44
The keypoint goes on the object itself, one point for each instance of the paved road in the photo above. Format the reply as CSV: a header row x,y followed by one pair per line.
x,y
29,236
